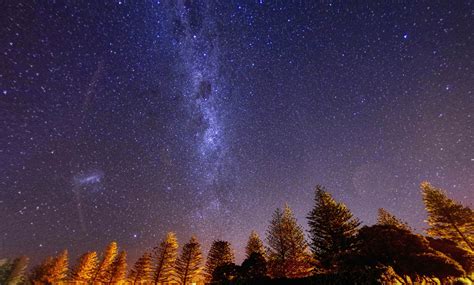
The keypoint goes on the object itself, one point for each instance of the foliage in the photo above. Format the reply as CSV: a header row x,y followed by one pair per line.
x,y
254,267
58,269
166,255
254,245
447,218
407,253
142,270
332,228
464,257
39,273
385,218
86,267
225,272
219,254
118,270
13,272
188,265
104,268
287,248
5,268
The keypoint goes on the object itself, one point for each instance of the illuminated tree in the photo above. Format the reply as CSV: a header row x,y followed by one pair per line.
x,y
86,267
13,272
118,270
58,269
142,270
288,251
219,254
188,265
166,255
385,218
447,218
40,272
332,228
103,270
254,244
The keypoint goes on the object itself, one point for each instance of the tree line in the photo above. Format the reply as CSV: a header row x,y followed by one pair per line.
x,y
339,251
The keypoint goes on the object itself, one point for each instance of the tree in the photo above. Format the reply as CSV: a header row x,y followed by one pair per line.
x,y
39,273
385,218
225,273
188,265
86,267
219,254
13,272
407,253
254,244
288,251
254,267
447,218
141,271
103,270
5,267
58,269
332,228
464,257
118,270
166,255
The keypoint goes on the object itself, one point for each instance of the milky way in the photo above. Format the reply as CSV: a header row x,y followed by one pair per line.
x,y
124,120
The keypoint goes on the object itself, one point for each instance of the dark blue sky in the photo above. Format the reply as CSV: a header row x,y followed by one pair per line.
x,y
125,120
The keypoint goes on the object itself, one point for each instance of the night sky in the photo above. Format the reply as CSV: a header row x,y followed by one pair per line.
x,y
125,120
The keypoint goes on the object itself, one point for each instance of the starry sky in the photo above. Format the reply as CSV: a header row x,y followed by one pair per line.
x,y
125,120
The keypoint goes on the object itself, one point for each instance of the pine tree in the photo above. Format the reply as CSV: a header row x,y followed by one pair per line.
x,y
254,245
332,228
166,255
219,254
188,265
103,270
86,267
447,218
39,273
287,249
16,274
118,270
385,218
142,270
5,268
58,269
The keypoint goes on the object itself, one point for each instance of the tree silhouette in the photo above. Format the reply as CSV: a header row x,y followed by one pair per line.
x,y
142,270
58,269
86,267
224,273
188,265
103,269
118,270
332,228
219,254
464,257
254,267
447,218
386,218
407,253
39,273
13,272
166,255
254,245
288,253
